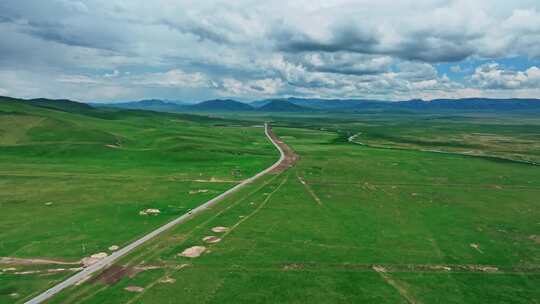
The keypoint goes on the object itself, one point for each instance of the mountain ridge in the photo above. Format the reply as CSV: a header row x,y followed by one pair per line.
x,y
295,104
279,105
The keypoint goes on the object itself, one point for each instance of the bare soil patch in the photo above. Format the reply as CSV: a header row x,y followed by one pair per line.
x,y
193,252
535,238
378,268
94,258
19,261
134,289
198,191
114,274
181,266
476,247
150,211
167,280
440,267
211,239
483,268
145,268
220,229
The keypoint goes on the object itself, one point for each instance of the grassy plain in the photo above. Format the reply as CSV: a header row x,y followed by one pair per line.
x,y
357,224
72,183
504,135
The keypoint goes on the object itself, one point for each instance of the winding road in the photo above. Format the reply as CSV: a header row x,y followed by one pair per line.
x,y
109,260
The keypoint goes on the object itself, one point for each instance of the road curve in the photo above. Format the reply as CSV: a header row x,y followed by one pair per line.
x,y
109,260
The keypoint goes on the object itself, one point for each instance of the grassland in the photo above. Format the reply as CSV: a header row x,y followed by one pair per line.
x,y
356,224
505,136
72,182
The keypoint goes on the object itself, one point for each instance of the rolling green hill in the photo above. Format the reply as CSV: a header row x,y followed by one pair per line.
x,y
382,207
350,224
74,179
219,105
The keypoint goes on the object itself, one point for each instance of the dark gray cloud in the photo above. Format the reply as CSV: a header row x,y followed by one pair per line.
x,y
433,49
73,36
343,39
420,46
343,63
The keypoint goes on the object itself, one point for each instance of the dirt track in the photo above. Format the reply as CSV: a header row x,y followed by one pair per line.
x,y
290,156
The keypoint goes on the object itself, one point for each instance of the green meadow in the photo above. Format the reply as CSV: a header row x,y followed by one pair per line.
x,y
72,183
351,223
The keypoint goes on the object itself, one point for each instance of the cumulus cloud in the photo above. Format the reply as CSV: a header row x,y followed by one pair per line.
x,y
252,88
346,63
340,48
430,31
494,76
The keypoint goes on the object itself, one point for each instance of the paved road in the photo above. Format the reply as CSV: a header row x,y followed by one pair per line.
x,y
108,261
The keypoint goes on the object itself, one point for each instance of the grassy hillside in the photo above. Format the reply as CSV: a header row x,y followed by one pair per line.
x,y
386,222
352,224
72,183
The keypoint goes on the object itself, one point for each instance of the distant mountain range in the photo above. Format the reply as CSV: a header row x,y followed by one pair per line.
x,y
215,105
305,105
332,105
223,105
283,106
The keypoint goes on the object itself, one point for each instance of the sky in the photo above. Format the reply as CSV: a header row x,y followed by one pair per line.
x,y
120,50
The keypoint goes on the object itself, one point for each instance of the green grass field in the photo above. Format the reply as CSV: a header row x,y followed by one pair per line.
x,y
72,184
351,224
506,136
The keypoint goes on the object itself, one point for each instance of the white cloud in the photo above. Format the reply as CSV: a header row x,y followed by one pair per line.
x,y
48,85
340,48
494,76
252,88
79,79
175,78
114,73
